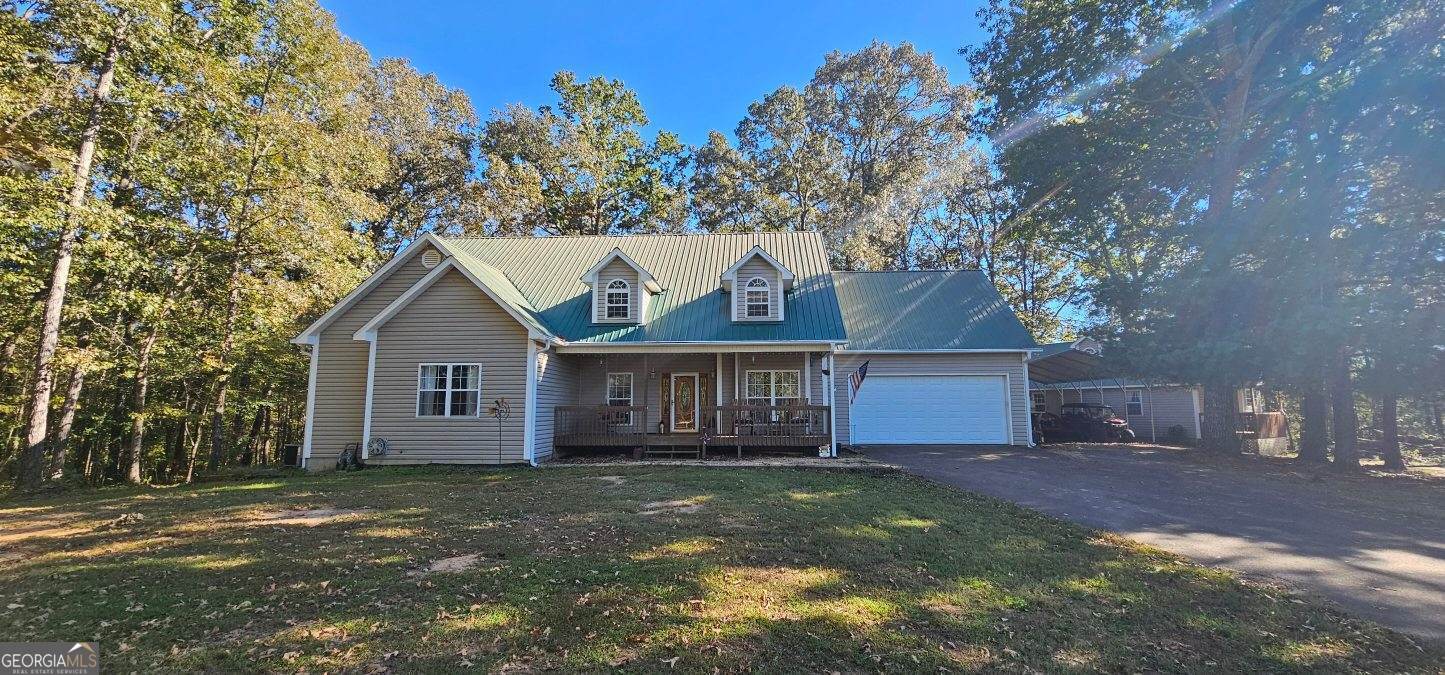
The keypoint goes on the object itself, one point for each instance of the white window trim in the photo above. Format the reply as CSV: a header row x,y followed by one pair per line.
x,y
416,405
1038,402
766,289
1129,395
773,385
607,305
631,387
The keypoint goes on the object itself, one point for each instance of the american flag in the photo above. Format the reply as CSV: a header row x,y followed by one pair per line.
x,y
856,380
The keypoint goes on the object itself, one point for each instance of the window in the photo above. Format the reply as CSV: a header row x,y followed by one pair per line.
x,y
619,300
757,298
1040,403
1134,405
619,392
772,387
449,390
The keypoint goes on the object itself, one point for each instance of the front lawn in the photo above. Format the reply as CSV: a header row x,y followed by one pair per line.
x,y
597,568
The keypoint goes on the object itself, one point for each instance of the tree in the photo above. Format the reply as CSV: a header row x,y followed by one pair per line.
x,y
428,130
113,32
979,225
582,166
1223,131
852,155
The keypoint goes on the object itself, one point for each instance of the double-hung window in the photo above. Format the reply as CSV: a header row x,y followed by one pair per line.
x,y
1040,403
449,390
773,387
1134,405
619,392
619,300
757,299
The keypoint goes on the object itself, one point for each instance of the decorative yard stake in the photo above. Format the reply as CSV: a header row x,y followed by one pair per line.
x,y
499,411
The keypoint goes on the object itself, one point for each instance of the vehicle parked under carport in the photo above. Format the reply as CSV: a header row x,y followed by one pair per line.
x,y
1082,422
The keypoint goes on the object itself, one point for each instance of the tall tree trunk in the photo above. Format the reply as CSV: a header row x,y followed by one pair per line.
x,y
228,343
42,380
1313,437
1390,433
1438,418
1217,425
138,404
1346,420
61,441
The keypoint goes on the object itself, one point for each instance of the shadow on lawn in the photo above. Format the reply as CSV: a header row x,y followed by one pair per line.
x,y
778,570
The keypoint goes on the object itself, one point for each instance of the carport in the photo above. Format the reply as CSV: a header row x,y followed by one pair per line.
x,y
1078,367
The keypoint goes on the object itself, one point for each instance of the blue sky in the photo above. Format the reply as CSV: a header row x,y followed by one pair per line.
x,y
696,66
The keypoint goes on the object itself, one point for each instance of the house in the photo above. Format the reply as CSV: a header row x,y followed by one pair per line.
x,y
1074,372
494,350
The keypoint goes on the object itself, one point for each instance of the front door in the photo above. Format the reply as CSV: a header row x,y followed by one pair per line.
x,y
684,402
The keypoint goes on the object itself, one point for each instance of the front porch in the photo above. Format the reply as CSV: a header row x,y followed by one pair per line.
x,y
733,427
691,404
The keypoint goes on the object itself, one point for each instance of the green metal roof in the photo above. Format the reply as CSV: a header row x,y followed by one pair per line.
x,y
935,310
545,273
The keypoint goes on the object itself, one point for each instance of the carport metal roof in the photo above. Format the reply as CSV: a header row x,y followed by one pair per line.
x,y
1066,362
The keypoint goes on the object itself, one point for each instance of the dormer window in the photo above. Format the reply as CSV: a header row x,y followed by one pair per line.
x,y
621,289
759,298
619,299
758,284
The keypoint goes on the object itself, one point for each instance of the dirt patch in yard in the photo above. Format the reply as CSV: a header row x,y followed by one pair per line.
x,y
305,517
456,563
669,507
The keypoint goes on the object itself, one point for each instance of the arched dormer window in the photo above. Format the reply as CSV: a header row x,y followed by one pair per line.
x,y
619,299
758,298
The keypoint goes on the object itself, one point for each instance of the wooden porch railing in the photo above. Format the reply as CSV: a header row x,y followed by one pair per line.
x,y
600,420
730,425
763,421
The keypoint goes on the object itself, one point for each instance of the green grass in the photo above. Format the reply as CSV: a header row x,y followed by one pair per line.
x,y
775,570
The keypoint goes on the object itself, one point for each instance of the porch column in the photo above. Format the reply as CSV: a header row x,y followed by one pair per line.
x,y
807,378
717,384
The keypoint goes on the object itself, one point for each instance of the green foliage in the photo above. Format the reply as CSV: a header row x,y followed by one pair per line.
x,y
251,164
1249,188
581,167
875,153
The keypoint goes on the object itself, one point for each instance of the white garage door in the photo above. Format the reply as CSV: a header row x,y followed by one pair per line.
x,y
931,409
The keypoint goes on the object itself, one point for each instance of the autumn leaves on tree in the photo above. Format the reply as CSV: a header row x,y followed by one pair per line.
x,y
1237,193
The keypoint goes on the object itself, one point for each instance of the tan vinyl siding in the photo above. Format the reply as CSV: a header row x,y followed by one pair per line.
x,y
1010,364
451,322
756,267
556,385
617,269
341,369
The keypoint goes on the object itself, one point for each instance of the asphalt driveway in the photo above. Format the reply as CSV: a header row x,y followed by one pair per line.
x,y
1374,546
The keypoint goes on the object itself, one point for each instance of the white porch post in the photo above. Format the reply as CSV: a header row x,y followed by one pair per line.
x,y
1029,399
830,392
807,378
717,384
